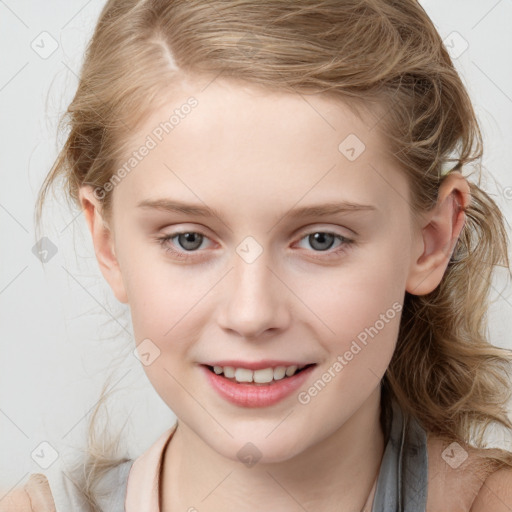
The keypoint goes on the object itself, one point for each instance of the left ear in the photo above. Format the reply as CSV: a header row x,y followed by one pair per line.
x,y
440,230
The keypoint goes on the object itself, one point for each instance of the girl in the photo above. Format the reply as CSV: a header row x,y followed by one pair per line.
x,y
271,187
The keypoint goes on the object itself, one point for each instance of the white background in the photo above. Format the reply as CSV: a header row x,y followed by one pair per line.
x,y
61,328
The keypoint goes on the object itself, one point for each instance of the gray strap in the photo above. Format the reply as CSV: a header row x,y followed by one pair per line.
x,y
110,492
114,486
414,468
401,484
403,476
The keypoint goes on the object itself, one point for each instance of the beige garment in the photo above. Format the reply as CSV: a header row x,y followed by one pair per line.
x,y
34,496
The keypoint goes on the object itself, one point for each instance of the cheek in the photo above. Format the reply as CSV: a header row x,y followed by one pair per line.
x,y
159,292
366,328
158,308
360,306
353,296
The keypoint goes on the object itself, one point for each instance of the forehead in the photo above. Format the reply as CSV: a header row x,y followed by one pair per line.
x,y
213,138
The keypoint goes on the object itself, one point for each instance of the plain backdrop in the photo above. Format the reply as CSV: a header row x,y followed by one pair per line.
x,y
61,328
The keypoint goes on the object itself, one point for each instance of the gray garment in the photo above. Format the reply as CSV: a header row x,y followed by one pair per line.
x,y
112,487
401,484
403,475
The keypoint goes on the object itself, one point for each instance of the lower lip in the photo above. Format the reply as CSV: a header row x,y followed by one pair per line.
x,y
246,394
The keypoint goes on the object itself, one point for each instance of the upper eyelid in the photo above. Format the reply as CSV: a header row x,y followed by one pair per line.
x,y
308,231
310,228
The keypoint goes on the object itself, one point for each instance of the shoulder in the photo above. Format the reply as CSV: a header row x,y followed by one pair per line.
x,y
63,490
456,475
495,493
34,496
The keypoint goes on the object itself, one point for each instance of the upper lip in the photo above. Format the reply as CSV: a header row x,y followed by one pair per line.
x,y
257,365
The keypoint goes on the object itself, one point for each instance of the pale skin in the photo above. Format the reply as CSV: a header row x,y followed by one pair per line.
x,y
254,155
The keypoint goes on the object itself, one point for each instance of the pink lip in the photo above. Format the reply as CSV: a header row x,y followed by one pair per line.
x,y
250,395
256,365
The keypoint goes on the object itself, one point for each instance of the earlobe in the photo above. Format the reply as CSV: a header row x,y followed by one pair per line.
x,y
439,234
103,241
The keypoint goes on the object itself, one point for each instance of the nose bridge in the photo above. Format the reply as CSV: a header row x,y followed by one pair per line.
x,y
255,303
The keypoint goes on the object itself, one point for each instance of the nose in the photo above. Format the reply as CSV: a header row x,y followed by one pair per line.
x,y
256,300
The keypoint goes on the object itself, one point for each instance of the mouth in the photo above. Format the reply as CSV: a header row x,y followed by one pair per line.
x,y
264,377
239,387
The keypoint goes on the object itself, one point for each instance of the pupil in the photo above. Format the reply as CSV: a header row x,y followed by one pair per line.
x,y
188,238
320,238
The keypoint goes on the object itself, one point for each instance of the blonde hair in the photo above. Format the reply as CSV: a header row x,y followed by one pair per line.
x,y
385,53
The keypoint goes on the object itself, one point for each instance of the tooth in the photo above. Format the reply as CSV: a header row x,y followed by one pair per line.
x,y
243,375
229,372
279,372
263,376
291,370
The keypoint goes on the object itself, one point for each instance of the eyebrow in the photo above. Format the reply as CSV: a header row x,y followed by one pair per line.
x,y
317,210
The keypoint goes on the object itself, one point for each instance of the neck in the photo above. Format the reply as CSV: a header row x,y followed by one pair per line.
x,y
335,474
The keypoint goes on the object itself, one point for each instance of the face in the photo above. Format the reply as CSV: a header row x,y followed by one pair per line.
x,y
262,277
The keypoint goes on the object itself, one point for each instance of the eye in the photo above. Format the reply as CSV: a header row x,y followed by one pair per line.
x,y
190,241
322,241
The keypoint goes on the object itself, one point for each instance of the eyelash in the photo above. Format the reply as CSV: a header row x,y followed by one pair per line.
x,y
184,255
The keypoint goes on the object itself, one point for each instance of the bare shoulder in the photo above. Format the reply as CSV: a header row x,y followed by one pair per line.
x,y
34,496
16,500
456,475
495,493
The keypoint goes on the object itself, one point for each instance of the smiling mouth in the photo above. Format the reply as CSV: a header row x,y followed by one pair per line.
x,y
251,382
